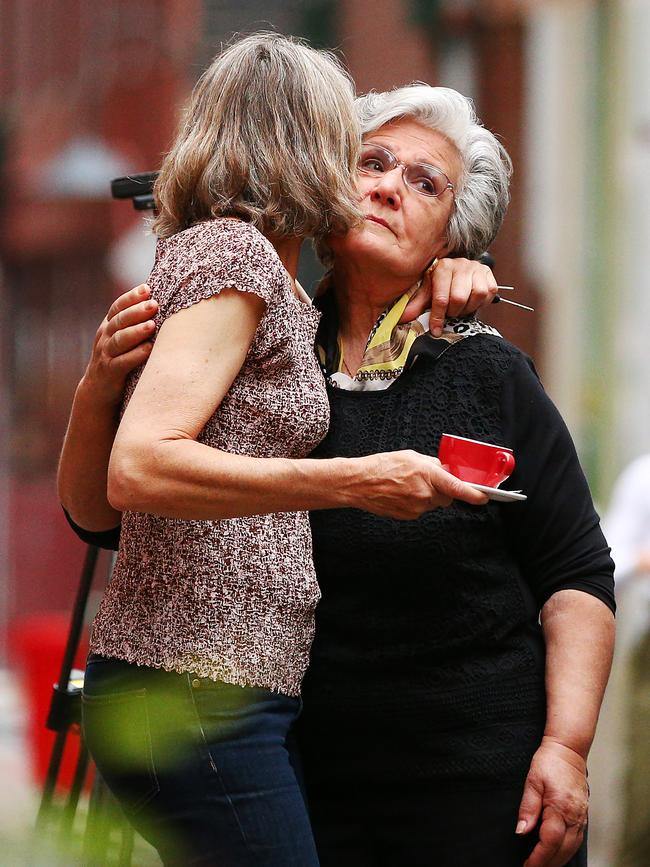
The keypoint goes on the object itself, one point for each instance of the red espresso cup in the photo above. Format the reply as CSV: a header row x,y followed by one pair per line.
x,y
474,461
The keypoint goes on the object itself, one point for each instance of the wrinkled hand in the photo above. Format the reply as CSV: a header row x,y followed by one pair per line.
x,y
556,789
454,287
121,344
406,484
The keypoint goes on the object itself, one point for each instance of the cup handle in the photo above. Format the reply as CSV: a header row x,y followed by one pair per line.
x,y
506,462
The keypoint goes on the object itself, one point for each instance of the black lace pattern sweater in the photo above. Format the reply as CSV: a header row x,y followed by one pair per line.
x,y
429,657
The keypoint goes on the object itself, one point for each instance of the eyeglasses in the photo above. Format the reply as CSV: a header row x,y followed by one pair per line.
x,y
421,177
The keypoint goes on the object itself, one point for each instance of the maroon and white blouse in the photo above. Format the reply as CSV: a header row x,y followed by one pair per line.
x,y
233,599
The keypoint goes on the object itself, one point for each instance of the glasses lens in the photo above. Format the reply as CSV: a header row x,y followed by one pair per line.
x,y
375,160
425,179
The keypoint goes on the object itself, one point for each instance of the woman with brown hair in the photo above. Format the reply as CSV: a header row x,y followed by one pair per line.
x,y
203,635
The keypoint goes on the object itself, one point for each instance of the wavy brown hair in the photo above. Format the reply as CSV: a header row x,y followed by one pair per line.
x,y
270,135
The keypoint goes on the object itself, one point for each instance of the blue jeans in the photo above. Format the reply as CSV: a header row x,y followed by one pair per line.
x,y
203,770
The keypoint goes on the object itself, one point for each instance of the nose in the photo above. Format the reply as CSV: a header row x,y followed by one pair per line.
x,y
387,188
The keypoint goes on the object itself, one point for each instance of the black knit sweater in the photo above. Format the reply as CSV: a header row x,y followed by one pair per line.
x,y
428,648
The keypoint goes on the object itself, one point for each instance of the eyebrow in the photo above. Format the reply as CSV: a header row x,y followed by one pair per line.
x,y
428,160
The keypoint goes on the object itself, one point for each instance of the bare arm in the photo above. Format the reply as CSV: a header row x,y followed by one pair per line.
x,y
157,465
579,634
121,344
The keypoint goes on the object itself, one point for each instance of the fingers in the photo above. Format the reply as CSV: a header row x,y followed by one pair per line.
x,y
572,842
447,488
551,837
131,316
440,279
492,286
454,287
419,303
128,361
484,289
408,484
470,495
558,782
468,292
126,339
558,842
127,299
459,288
460,291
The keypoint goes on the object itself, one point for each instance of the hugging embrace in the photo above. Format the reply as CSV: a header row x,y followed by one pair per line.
x,y
319,646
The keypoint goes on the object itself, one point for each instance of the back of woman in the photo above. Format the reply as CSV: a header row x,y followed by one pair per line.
x,y
154,611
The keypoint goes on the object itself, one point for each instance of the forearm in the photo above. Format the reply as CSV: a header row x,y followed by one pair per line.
x,y
83,465
579,635
181,478
159,466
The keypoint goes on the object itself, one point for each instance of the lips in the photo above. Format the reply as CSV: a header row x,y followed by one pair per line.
x,y
379,220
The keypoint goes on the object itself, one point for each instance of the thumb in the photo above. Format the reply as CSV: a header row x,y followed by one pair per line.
x,y
530,808
450,486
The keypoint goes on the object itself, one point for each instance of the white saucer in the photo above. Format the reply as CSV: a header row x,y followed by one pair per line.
x,y
498,494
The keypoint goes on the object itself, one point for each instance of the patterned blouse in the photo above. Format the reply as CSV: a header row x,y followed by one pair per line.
x,y
233,599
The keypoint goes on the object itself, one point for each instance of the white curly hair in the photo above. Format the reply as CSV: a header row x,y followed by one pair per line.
x,y
481,195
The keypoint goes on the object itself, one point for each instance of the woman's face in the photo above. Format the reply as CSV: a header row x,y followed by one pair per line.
x,y
403,230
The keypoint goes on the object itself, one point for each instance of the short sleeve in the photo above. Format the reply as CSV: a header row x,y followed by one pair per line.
x,y
556,533
109,539
200,262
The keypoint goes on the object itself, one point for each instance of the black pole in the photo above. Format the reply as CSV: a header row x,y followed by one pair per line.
x,y
65,703
57,717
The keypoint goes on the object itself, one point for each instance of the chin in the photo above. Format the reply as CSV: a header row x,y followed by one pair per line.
x,y
365,242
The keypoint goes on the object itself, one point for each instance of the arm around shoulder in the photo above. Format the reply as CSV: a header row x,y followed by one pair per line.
x,y
158,466
121,344
197,355
83,465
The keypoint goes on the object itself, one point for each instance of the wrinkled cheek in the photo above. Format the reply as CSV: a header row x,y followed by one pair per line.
x,y
427,250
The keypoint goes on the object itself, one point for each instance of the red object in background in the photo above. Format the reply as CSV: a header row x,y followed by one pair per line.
x,y
37,643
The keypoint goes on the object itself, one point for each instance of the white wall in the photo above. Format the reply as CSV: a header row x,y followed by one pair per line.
x,y
631,297
558,58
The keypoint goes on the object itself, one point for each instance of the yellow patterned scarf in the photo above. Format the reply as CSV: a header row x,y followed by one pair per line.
x,y
389,344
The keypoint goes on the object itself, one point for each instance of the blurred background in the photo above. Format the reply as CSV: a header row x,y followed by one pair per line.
x,y
90,91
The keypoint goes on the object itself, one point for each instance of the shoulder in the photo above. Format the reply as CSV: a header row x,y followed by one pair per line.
x,y
199,262
492,356
219,240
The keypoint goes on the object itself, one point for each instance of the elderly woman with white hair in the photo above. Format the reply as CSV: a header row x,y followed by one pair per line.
x,y
460,657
